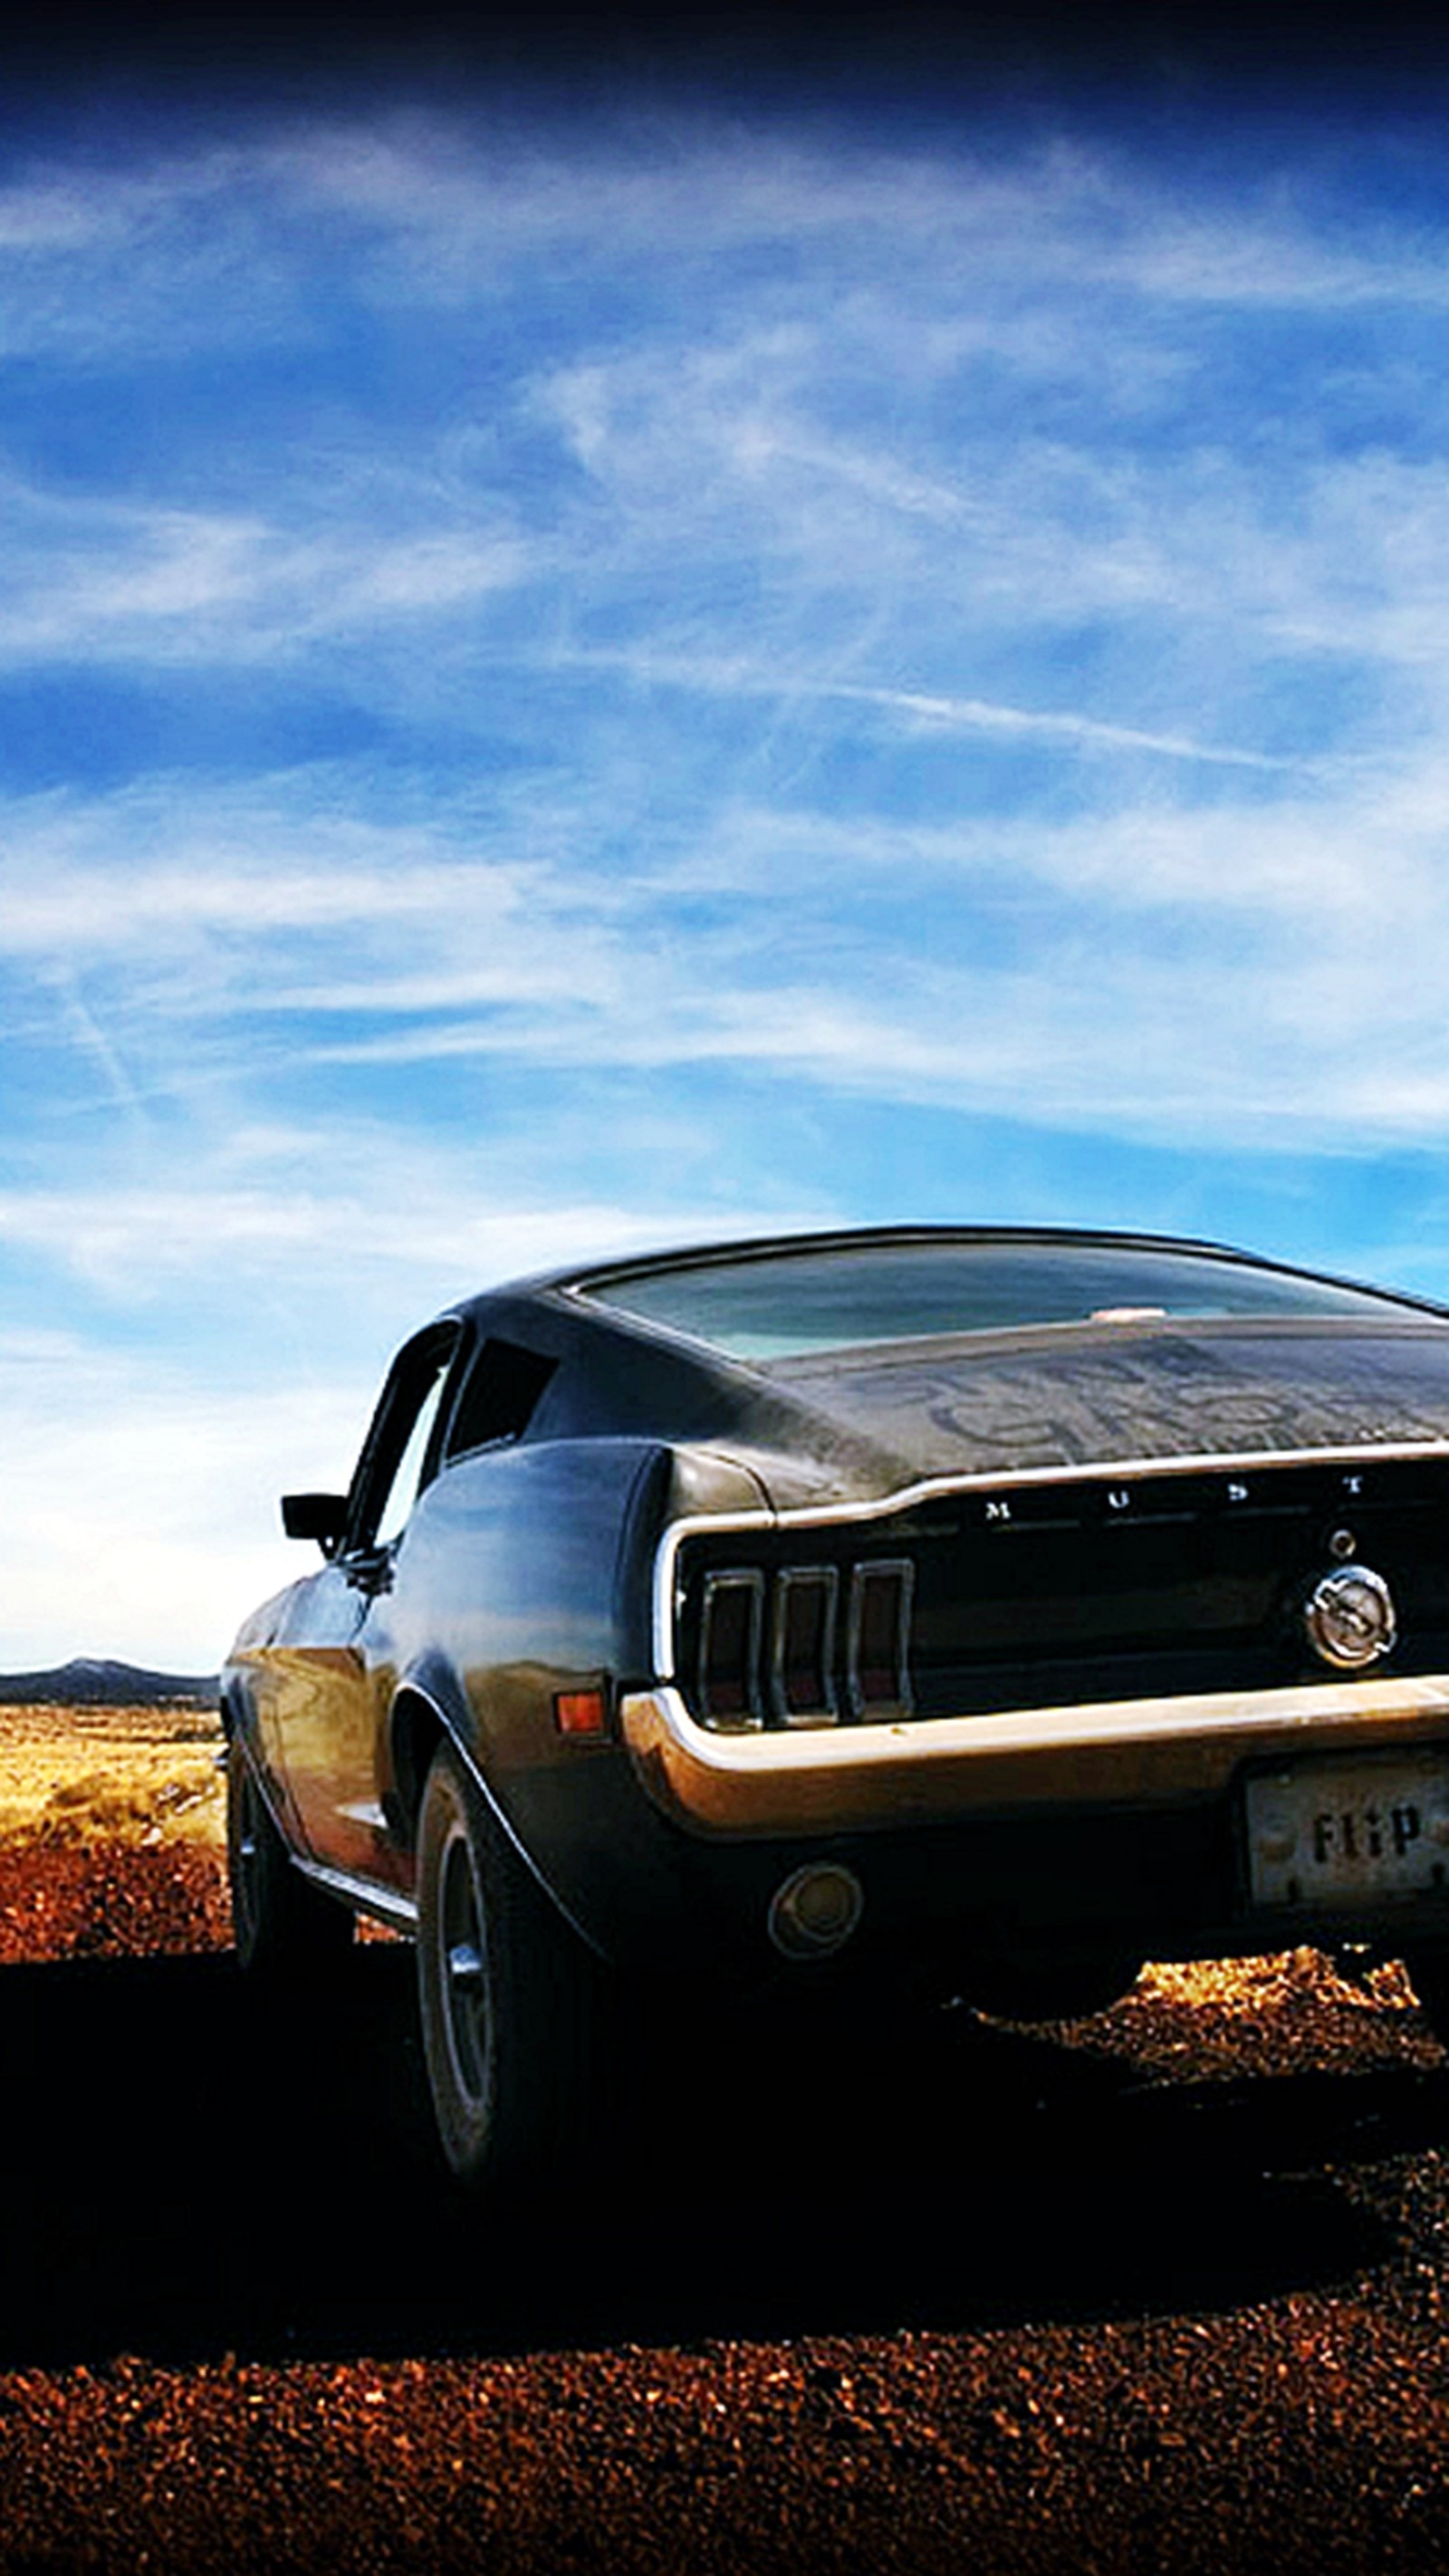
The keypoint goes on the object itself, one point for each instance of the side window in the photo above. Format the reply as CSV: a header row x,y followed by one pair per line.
x,y
497,1403
392,1470
406,1485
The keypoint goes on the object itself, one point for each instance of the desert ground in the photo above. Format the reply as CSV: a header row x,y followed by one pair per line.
x,y
1160,2290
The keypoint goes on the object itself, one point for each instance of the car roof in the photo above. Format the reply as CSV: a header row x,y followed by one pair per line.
x,y
925,1383
579,1278
574,1283
589,1297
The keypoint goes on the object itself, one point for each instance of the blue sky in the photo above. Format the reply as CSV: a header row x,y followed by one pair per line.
x,y
573,679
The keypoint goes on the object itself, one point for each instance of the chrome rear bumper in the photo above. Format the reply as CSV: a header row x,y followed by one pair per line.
x,y
1116,1753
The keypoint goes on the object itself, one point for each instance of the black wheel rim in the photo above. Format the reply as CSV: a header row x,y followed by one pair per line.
x,y
463,1972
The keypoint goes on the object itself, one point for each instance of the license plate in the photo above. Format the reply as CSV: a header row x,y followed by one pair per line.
x,y
1349,1830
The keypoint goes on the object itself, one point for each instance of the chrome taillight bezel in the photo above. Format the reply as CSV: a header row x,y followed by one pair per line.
x,y
791,1584
866,1575
803,1645
719,1583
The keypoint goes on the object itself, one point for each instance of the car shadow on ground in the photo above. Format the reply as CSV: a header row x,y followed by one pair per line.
x,y
186,2176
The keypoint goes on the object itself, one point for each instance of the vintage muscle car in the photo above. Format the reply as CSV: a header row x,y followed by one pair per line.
x,y
979,1611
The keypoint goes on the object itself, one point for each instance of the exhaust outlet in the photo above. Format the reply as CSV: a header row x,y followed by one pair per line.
x,y
815,1910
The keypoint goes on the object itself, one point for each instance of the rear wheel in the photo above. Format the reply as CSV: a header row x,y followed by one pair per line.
x,y
1429,1976
281,1924
1051,1990
508,1996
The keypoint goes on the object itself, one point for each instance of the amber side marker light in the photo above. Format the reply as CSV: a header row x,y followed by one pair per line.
x,y
581,1712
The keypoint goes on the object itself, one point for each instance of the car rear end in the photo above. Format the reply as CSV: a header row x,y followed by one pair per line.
x,y
1171,1708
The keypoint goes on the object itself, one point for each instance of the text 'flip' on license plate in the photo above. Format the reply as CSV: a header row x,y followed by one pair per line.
x,y
1349,1829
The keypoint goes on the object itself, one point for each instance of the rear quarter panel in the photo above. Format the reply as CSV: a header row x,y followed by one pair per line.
x,y
527,1570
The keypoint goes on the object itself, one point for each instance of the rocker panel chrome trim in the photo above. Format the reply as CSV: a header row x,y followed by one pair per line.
x,y
366,1895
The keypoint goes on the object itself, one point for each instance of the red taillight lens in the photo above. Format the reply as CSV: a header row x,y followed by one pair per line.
x,y
803,1657
729,1648
880,1637
769,1648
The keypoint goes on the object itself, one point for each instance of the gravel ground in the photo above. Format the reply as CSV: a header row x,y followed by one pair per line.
x,y
1161,2290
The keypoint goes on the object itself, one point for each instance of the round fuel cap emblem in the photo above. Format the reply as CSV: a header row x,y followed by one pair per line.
x,y
1349,1617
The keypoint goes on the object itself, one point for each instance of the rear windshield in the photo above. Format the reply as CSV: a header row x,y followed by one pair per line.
x,y
782,1305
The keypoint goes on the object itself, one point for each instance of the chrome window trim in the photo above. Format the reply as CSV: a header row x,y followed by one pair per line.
x,y
905,1498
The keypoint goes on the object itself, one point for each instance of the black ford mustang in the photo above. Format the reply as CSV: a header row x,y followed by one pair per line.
x,y
985,1609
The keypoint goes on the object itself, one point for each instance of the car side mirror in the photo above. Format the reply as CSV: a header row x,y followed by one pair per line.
x,y
319,1516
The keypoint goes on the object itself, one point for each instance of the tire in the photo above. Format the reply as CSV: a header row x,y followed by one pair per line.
x,y
509,2000
283,1927
1065,1990
1429,1977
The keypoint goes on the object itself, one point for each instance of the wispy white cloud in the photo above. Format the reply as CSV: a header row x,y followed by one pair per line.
x,y
53,215
1158,968
142,1521
852,638
216,888
279,1279
863,458
145,1523
100,581
917,709
468,207
137,1239
454,212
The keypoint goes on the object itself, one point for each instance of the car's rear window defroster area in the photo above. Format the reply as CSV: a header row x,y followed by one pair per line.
x,y
782,1305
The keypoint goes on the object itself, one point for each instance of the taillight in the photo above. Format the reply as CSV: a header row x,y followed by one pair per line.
x,y
880,1637
802,1662
729,1648
805,1646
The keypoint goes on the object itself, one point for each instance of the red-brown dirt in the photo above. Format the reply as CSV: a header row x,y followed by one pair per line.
x,y
1160,2291
67,1901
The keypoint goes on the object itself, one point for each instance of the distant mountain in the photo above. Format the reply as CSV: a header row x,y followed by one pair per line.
x,y
88,1683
